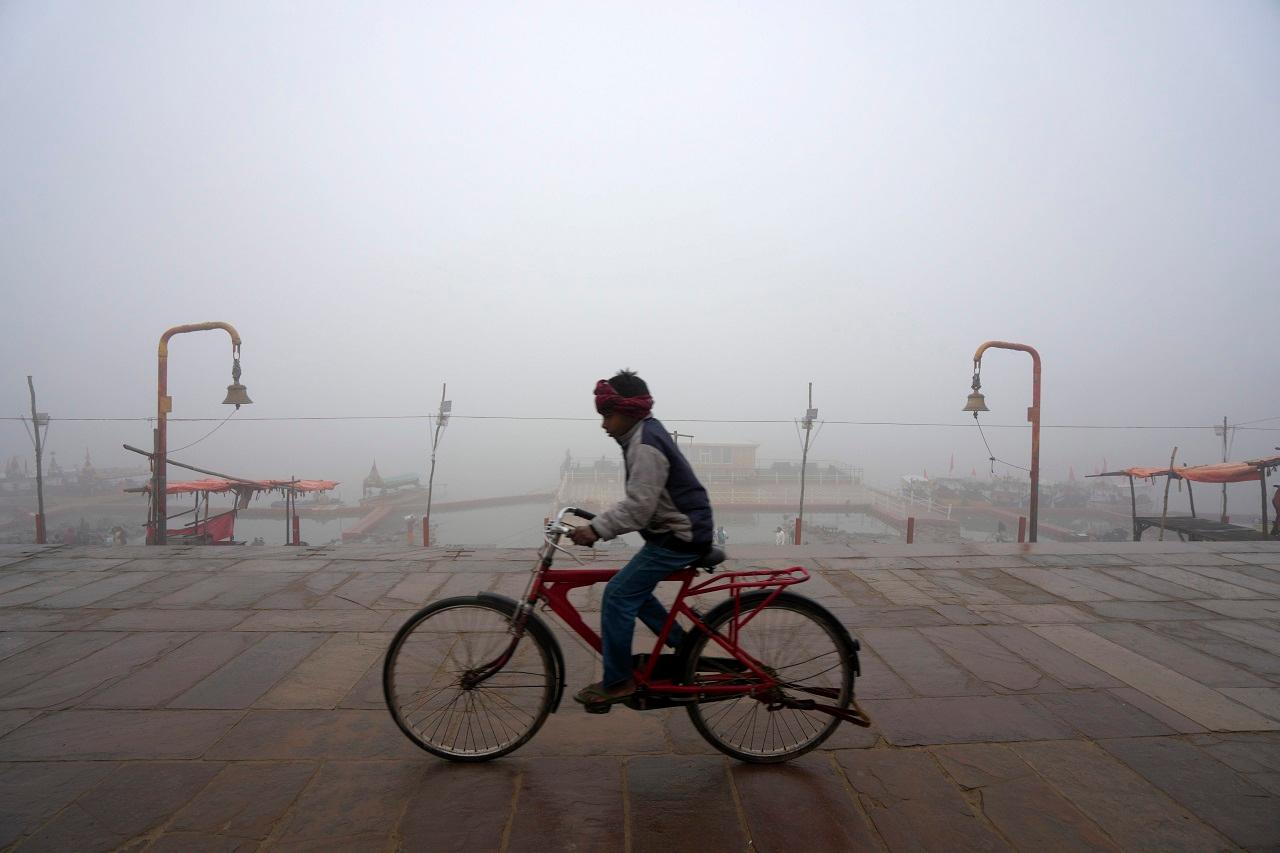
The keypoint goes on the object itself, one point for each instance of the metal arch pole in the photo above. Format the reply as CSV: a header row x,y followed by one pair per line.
x,y
164,405
1033,415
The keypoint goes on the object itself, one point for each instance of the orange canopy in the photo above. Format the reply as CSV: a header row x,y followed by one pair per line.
x,y
1220,472
218,485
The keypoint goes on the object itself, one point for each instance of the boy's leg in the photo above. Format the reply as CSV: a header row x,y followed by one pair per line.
x,y
628,594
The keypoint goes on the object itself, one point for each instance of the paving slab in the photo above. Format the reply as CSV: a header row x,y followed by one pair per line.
x,y
1203,704
967,719
1245,813
135,798
677,799
1022,806
597,820
1049,696
1135,814
912,805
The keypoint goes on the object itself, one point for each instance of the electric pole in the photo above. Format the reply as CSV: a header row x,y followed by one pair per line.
x,y
38,420
807,422
442,420
1223,431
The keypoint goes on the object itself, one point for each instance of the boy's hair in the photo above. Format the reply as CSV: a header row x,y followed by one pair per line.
x,y
627,384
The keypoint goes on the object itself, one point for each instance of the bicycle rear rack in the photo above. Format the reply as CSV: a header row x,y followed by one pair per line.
x,y
736,582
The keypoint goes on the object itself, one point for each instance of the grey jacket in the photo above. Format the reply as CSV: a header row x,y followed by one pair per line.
x,y
664,500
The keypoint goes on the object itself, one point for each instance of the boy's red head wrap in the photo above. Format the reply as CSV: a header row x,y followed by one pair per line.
x,y
608,400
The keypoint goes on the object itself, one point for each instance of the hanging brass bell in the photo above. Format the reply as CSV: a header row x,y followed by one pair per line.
x,y
976,402
237,395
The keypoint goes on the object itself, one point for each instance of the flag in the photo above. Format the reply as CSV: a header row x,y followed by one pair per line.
x,y
953,464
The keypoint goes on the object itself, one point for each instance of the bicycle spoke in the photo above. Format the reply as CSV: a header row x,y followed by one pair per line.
x,y
793,645
424,682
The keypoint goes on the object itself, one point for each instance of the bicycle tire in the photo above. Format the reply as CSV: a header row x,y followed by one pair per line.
x,y
730,725
488,723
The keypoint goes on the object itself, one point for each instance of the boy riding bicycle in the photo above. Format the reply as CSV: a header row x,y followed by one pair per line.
x,y
670,509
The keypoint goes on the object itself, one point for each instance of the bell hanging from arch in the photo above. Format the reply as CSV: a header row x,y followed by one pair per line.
x,y
976,403
237,395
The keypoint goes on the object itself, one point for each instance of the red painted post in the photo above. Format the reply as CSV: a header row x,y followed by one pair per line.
x,y
297,530
40,533
797,531
1022,528
911,529
426,532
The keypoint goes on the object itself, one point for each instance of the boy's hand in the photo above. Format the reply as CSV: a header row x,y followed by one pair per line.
x,y
584,535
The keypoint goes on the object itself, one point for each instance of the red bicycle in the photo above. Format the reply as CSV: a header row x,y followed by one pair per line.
x,y
765,675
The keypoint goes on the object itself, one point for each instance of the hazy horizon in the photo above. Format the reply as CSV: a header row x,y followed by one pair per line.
x,y
733,200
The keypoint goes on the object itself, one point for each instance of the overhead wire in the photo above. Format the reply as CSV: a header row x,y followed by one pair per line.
x,y
991,455
206,435
302,418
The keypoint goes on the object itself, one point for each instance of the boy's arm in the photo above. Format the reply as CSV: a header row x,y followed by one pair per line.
x,y
644,486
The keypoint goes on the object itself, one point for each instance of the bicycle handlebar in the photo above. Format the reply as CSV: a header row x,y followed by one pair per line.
x,y
583,514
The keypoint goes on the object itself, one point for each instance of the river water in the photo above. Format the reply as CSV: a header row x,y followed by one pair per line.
x,y
520,526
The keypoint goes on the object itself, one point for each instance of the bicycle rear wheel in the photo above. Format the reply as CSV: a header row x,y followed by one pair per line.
x,y
798,642
427,685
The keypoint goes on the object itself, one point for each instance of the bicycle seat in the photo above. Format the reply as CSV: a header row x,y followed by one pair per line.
x,y
713,557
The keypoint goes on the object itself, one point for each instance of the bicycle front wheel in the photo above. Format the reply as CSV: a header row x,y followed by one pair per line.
x,y
428,681
800,644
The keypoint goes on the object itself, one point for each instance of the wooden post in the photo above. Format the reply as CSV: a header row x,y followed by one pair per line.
x,y
1133,503
426,531
911,529
1191,497
797,540
1262,478
297,528
1022,528
1225,520
1164,512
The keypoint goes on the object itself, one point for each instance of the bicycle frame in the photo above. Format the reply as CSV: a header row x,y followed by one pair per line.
x,y
552,587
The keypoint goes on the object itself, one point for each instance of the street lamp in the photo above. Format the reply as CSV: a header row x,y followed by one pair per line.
x,y
978,403
237,396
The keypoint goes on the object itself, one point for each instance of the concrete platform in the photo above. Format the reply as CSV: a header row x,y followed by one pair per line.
x,y
1055,696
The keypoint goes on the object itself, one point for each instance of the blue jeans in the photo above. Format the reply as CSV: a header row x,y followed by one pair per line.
x,y
630,594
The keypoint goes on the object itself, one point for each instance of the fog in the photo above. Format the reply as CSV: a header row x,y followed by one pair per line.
x,y
733,199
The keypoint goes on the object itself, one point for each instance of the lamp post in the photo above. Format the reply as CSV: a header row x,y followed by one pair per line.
x,y
38,420
807,422
236,396
442,420
977,403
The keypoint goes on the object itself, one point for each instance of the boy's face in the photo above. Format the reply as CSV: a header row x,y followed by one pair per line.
x,y
616,425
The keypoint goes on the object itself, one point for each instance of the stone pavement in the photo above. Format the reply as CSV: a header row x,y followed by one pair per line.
x,y
1103,696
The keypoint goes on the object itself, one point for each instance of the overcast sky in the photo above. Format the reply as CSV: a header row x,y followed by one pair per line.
x,y
735,200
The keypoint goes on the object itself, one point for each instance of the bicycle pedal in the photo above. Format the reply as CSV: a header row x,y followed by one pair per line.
x,y
598,708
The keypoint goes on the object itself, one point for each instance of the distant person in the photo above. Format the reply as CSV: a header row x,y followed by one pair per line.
x,y
780,536
722,536
670,509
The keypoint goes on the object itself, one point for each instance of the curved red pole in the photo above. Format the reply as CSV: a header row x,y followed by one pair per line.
x,y
1033,415
159,461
